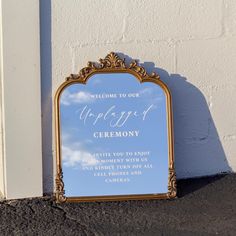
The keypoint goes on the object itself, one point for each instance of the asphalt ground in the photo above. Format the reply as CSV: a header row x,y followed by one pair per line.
x,y
205,206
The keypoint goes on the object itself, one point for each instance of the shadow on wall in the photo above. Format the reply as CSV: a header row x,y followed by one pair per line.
x,y
46,94
198,150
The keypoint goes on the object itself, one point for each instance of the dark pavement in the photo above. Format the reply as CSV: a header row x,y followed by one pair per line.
x,y
205,206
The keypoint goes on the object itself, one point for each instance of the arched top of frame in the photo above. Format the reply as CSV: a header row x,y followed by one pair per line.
x,y
112,63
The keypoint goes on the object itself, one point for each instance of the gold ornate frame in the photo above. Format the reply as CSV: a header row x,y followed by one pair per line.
x,y
113,64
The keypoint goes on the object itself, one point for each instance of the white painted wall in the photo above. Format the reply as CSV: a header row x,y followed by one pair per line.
x,y
190,43
20,132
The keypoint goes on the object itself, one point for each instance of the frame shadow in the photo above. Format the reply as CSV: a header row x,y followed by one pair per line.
x,y
198,151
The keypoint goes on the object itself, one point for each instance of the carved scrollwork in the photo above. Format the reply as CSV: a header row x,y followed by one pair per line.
x,y
111,61
141,71
60,187
172,191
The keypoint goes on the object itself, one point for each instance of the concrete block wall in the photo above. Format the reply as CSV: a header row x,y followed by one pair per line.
x,y
190,43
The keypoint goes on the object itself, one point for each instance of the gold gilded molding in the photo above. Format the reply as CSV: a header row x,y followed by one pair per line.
x,y
112,60
141,71
112,63
59,194
172,190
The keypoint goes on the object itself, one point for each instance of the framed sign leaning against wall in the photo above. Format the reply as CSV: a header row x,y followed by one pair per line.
x,y
114,134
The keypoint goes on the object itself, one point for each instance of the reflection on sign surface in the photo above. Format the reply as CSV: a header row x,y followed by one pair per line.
x,y
114,137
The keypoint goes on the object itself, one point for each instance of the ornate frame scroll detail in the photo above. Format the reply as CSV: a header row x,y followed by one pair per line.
x,y
59,194
112,63
172,191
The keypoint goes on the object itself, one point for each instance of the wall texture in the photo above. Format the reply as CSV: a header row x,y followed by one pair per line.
x,y
190,43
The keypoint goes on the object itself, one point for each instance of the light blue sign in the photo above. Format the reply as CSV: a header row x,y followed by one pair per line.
x,y
114,137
